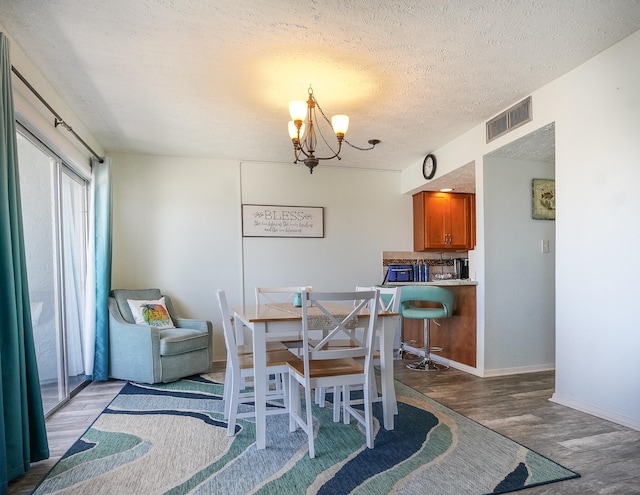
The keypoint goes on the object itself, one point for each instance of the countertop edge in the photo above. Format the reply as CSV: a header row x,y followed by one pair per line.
x,y
435,282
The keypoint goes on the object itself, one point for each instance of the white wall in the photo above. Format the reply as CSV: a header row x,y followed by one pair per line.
x,y
177,226
520,293
596,110
598,235
364,214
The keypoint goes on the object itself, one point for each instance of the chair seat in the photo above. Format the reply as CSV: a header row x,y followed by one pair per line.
x,y
328,367
424,313
175,341
274,358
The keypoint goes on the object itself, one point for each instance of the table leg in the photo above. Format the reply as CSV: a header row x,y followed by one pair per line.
x,y
260,381
389,404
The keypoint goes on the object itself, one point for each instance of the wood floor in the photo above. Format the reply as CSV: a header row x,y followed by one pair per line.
x,y
605,454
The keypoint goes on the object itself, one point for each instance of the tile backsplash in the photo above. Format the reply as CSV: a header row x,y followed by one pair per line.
x,y
438,262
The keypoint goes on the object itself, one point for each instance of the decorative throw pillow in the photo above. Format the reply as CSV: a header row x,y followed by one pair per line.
x,y
153,313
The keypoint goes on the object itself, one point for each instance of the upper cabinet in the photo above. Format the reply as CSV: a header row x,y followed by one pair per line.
x,y
443,221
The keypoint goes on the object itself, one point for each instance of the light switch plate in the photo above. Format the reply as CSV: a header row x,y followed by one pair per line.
x,y
545,246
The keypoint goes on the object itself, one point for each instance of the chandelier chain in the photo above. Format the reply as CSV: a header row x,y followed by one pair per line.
x,y
319,130
344,140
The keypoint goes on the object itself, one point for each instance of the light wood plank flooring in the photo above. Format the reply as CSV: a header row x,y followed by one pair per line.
x,y
607,455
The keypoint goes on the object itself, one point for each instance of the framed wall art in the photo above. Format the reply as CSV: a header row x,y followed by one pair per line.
x,y
544,199
282,221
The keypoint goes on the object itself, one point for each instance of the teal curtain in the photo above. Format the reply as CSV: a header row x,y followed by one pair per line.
x,y
102,237
23,436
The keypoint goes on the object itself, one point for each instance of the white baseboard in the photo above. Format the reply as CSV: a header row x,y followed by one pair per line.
x,y
459,366
519,370
596,411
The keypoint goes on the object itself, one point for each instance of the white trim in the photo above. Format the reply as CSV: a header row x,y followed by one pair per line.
x,y
519,370
459,366
596,411
491,373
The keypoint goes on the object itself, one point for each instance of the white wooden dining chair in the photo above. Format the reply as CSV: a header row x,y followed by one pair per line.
x,y
324,365
389,300
240,368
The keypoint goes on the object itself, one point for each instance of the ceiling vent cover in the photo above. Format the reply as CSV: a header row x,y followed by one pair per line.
x,y
514,117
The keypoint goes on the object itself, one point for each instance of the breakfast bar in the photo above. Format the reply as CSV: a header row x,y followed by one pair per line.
x,y
456,335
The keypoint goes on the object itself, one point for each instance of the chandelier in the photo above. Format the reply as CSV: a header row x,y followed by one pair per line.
x,y
302,131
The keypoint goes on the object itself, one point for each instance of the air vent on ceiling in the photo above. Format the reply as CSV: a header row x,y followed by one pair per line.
x,y
518,114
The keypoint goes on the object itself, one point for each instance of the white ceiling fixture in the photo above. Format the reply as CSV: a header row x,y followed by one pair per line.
x,y
213,79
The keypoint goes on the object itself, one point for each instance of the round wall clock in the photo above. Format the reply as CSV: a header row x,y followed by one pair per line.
x,y
429,166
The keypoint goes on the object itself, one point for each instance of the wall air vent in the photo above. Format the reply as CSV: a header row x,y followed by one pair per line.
x,y
510,119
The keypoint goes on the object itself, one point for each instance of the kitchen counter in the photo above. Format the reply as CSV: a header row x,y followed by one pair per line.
x,y
443,283
455,335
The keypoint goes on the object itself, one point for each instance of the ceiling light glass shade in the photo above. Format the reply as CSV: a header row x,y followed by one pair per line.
x,y
293,130
298,110
340,124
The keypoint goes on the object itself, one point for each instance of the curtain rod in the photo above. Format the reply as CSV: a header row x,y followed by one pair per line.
x,y
59,120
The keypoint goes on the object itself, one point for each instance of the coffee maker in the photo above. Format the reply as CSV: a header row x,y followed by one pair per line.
x,y
461,268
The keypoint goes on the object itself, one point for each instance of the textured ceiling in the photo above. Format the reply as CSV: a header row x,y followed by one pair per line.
x,y
213,79
539,145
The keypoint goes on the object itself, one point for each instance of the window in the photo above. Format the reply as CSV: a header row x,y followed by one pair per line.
x,y
54,213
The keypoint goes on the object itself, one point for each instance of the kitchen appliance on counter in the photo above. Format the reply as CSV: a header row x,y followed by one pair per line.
x,y
418,272
461,268
400,273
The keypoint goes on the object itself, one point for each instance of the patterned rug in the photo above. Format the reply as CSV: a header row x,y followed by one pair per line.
x,y
171,439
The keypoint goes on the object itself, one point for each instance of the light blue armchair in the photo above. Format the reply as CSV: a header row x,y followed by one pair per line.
x,y
143,353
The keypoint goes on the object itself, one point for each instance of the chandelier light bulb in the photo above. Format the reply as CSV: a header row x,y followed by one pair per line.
x,y
293,130
340,124
298,110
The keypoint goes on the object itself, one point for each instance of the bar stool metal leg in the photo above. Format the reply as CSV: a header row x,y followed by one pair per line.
x,y
427,364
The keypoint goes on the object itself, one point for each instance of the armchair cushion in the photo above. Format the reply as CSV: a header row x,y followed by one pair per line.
x,y
151,312
180,340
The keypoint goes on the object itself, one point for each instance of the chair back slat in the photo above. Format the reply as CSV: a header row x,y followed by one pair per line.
x,y
340,319
389,297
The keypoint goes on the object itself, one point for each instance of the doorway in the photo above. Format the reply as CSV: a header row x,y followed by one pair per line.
x,y
519,257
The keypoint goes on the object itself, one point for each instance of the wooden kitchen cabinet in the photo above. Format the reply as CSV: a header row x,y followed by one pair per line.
x,y
443,221
456,334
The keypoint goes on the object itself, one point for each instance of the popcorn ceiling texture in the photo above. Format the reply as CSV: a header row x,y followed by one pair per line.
x,y
213,79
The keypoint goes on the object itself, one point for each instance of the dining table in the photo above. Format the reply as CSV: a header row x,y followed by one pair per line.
x,y
283,321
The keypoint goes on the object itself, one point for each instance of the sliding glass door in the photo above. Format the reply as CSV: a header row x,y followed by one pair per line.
x,y
54,211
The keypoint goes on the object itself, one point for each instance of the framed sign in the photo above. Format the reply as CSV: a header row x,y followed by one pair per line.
x,y
544,199
282,221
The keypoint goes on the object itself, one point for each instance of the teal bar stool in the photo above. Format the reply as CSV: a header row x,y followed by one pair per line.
x,y
426,293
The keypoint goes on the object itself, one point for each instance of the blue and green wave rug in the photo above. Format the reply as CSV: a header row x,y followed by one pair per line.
x,y
172,439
